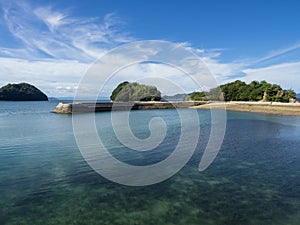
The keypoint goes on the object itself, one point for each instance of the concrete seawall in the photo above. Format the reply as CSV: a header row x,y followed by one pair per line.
x,y
84,107
276,108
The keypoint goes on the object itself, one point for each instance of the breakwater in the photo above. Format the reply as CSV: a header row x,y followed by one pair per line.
x,y
85,107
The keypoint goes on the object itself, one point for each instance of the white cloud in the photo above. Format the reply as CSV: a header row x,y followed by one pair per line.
x,y
51,33
285,74
58,49
278,52
49,75
222,71
52,19
211,58
166,78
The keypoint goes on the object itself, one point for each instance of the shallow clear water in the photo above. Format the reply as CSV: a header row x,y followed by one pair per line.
x,y
255,178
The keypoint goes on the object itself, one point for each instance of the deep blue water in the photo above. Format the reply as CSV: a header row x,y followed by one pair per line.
x,y
44,179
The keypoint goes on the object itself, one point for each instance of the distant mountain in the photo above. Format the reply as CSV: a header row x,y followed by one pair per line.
x,y
53,99
132,91
21,92
298,96
71,99
176,98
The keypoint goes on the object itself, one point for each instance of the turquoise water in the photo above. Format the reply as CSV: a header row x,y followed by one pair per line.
x,y
255,178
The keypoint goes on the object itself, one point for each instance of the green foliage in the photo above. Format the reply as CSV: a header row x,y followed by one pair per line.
x,y
240,91
213,94
126,91
21,92
256,91
117,90
289,94
197,96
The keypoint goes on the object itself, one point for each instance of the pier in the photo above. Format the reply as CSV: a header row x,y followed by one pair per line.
x,y
85,107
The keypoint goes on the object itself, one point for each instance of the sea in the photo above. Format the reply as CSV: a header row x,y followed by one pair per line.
x,y
45,179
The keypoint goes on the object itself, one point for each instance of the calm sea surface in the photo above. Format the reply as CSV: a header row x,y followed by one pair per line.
x,y
44,179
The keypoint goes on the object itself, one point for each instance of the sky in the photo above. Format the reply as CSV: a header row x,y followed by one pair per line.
x,y
52,44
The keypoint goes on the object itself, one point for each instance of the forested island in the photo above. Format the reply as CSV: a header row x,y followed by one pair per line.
x,y
240,91
21,92
127,91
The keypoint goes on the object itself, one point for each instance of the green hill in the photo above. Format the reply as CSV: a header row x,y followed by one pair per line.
x,y
21,92
126,92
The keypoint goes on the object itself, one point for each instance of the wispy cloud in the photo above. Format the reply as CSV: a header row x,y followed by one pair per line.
x,y
49,75
223,72
277,53
49,33
280,66
285,74
56,48
52,19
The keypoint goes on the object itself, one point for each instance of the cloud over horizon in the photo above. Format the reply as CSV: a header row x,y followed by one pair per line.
x,y
54,49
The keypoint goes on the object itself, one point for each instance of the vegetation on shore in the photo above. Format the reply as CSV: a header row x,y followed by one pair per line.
x,y
240,91
127,91
21,92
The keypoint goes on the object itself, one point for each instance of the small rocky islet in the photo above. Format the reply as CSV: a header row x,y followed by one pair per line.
x,y
21,92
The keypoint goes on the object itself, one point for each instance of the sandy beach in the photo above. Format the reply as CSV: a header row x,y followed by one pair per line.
x,y
287,109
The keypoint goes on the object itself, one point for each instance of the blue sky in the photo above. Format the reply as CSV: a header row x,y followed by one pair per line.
x,y
52,43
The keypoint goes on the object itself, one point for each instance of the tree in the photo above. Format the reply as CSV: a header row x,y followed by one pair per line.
x,y
197,96
255,91
231,90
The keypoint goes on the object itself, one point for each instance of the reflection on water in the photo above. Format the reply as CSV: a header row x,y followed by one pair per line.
x,y
44,179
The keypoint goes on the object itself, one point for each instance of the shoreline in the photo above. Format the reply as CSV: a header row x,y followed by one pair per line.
x,y
274,108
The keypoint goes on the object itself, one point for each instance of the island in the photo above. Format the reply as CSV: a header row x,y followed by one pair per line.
x,y
240,91
126,92
259,97
262,97
21,92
